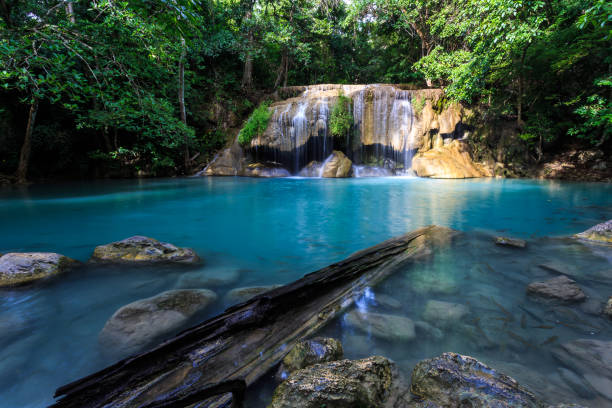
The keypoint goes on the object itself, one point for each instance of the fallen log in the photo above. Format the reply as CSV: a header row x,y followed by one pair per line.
x,y
247,340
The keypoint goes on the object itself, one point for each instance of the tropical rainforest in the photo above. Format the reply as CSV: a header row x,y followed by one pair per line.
x,y
134,87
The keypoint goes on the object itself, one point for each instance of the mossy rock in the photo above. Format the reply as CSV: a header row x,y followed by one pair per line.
x,y
143,250
601,233
21,268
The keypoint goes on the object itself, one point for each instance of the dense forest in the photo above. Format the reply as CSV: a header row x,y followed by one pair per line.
x,y
134,87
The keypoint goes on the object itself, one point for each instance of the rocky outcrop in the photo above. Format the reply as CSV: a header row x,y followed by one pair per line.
x,y
310,352
261,170
453,380
227,163
592,360
385,326
240,295
599,233
144,321
371,382
511,242
448,161
337,166
560,288
22,268
139,249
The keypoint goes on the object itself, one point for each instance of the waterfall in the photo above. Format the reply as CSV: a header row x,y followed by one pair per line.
x,y
382,134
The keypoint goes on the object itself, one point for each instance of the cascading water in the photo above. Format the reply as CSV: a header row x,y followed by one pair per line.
x,y
382,135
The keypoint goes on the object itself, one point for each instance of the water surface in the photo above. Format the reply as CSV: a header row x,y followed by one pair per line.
x,y
271,231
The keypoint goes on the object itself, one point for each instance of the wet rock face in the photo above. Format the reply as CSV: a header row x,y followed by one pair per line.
x,y
591,359
371,382
310,352
22,268
338,166
139,249
449,161
385,326
140,323
453,380
599,233
560,288
260,170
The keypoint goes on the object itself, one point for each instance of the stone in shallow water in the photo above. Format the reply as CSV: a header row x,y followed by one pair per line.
x,y
207,278
433,281
240,295
599,233
590,358
21,268
512,242
309,352
444,314
371,382
453,380
560,288
139,249
387,301
385,326
139,323
607,311
427,330
338,165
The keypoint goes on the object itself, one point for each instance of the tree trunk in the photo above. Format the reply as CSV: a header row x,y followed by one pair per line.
x,y
281,69
24,157
248,339
70,12
181,97
519,96
247,74
286,71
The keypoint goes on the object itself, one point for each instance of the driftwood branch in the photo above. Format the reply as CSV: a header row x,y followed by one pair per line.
x,y
248,339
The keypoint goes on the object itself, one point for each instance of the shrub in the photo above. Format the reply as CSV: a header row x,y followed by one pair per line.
x,y
256,125
341,118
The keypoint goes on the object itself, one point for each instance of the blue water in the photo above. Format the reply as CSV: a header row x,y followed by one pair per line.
x,y
271,231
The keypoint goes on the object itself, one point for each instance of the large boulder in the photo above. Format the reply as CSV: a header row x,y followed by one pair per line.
x,y
592,359
21,268
140,323
310,352
560,288
448,161
139,250
599,233
385,326
371,382
453,380
338,165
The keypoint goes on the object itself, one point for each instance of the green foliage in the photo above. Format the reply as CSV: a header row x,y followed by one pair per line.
x,y
341,117
256,124
597,116
418,104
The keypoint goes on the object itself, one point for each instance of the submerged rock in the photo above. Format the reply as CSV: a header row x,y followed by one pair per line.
x,y
444,314
385,326
590,358
338,165
309,352
560,288
599,233
207,278
576,383
139,249
387,301
453,380
512,242
371,382
427,330
607,311
21,268
240,295
139,323
448,161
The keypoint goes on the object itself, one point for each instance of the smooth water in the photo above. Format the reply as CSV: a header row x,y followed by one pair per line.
x,y
274,231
